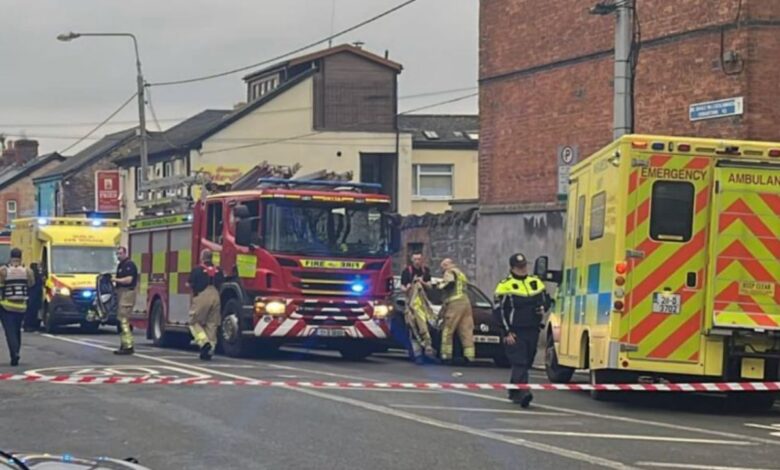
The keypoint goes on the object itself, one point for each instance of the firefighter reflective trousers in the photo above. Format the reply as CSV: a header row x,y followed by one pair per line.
x,y
521,356
126,299
458,318
205,316
12,324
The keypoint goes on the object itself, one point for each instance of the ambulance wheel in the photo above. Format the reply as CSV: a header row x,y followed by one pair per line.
x,y
160,337
48,322
556,373
231,338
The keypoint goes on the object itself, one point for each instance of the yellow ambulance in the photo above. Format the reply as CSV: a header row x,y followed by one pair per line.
x,y
70,253
671,265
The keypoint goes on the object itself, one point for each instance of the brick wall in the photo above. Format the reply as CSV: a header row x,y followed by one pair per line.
x,y
79,188
448,235
546,81
23,192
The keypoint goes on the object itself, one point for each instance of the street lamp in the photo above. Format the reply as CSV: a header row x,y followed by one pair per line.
x,y
67,37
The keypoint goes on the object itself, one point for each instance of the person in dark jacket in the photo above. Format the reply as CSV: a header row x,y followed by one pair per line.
x,y
31,320
521,300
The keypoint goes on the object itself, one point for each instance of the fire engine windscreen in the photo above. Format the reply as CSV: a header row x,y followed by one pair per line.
x,y
82,259
327,229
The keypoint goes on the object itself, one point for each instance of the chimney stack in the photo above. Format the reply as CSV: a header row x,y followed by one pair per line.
x,y
19,152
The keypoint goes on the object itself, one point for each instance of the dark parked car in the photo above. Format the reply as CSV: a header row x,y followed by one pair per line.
x,y
487,331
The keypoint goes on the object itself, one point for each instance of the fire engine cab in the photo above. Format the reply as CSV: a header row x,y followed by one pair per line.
x,y
305,262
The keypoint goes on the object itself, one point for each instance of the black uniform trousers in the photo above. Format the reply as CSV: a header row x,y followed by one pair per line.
x,y
12,324
521,356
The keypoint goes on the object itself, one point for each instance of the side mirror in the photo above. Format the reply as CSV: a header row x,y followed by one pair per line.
x,y
541,267
244,232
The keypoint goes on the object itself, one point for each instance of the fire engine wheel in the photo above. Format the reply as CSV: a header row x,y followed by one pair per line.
x,y
232,340
160,337
355,352
556,373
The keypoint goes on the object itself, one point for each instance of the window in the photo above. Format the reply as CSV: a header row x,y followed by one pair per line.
x,y
139,195
432,181
671,211
473,135
10,210
431,135
167,173
598,215
214,221
580,221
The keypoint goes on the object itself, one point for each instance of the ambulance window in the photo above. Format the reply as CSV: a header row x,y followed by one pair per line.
x,y
214,220
598,214
580,221
671,211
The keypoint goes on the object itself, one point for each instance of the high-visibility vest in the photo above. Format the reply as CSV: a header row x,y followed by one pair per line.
x,y
14,290
518,301
456,290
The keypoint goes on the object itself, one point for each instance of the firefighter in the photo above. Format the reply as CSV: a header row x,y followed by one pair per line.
x,y
205,281
521,300
126,282
15,282
456,312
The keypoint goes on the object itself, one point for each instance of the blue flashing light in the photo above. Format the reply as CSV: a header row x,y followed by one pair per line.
x,y
97,223
42,221
358,288
658,146
67,458
87,294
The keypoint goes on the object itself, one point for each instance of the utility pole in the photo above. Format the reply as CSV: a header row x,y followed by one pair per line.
x,y
623,112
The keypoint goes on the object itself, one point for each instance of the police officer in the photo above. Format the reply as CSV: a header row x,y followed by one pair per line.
x,y
126,282
31,320
15,282
521,300
456,310
205,281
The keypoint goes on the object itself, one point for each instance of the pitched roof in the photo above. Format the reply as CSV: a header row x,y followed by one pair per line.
x,y
180,136
325,53
456,131
91,154
15,172
191,132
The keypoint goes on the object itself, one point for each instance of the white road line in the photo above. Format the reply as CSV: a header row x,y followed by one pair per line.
x,y
480,410
626,419
693,466
771,427
627,437
546,448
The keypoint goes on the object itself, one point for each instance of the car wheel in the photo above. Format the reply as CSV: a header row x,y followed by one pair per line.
x,y
232,340
90,327
556,373
160,337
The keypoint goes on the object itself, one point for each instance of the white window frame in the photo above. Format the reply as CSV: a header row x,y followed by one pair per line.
x,y
419,172
8,217
139,195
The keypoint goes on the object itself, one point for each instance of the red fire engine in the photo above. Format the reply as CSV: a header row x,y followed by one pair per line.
x,y
306,262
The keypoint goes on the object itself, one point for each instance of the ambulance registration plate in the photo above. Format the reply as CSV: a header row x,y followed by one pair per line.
x,y
330,332
757,288
666,303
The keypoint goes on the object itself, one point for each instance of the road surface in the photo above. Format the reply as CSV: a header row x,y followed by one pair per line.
x,y
207,427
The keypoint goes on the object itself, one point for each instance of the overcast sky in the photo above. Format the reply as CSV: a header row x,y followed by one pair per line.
x,y
68,85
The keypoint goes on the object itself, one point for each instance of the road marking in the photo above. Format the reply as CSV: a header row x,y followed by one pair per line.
x,y
775,428
690,466
625,419
627,437
481,410
545,448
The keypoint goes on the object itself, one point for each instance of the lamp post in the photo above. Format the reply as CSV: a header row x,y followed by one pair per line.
x,y
140,93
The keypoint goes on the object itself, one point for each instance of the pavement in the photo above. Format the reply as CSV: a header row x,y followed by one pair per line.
x,y
207,427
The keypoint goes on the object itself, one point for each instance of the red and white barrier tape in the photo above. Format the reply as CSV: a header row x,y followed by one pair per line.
x,y
663,387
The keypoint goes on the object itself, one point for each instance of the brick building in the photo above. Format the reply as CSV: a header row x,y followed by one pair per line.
x,y
19,164
546,82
